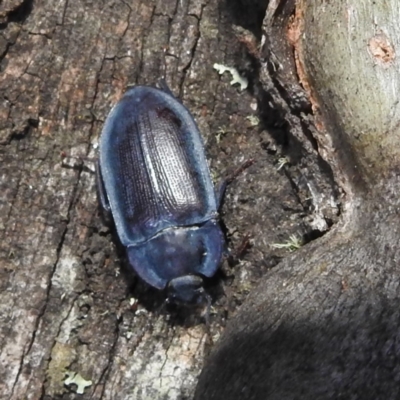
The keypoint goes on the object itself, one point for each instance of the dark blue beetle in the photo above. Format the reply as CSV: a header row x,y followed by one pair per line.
x,y
154,179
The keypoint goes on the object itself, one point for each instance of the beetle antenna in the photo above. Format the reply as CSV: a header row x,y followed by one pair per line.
x,y
248,163
207,311
80,164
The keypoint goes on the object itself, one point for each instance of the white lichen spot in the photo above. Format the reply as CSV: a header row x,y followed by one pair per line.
x,y
254,121
74,378
254,105
222,130
292,244
132,301
141,311
236,78
282,162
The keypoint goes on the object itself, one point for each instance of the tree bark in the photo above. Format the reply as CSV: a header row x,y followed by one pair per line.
x,y
75,322
324,323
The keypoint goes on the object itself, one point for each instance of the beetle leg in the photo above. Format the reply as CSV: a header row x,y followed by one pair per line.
x,y
221,187
102,195
220,192
237,253
162,83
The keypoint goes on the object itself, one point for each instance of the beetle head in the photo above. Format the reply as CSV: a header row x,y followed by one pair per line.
x,y
188,290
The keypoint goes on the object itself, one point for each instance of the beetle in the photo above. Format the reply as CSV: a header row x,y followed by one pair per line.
x,y
154,181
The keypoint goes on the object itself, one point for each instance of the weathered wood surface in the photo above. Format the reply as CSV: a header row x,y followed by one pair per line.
x,y
324,324
65,298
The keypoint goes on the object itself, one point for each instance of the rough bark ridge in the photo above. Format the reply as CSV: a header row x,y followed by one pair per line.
x,y
324,324
67,306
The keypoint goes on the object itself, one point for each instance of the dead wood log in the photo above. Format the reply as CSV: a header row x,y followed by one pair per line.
x,y
324,323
